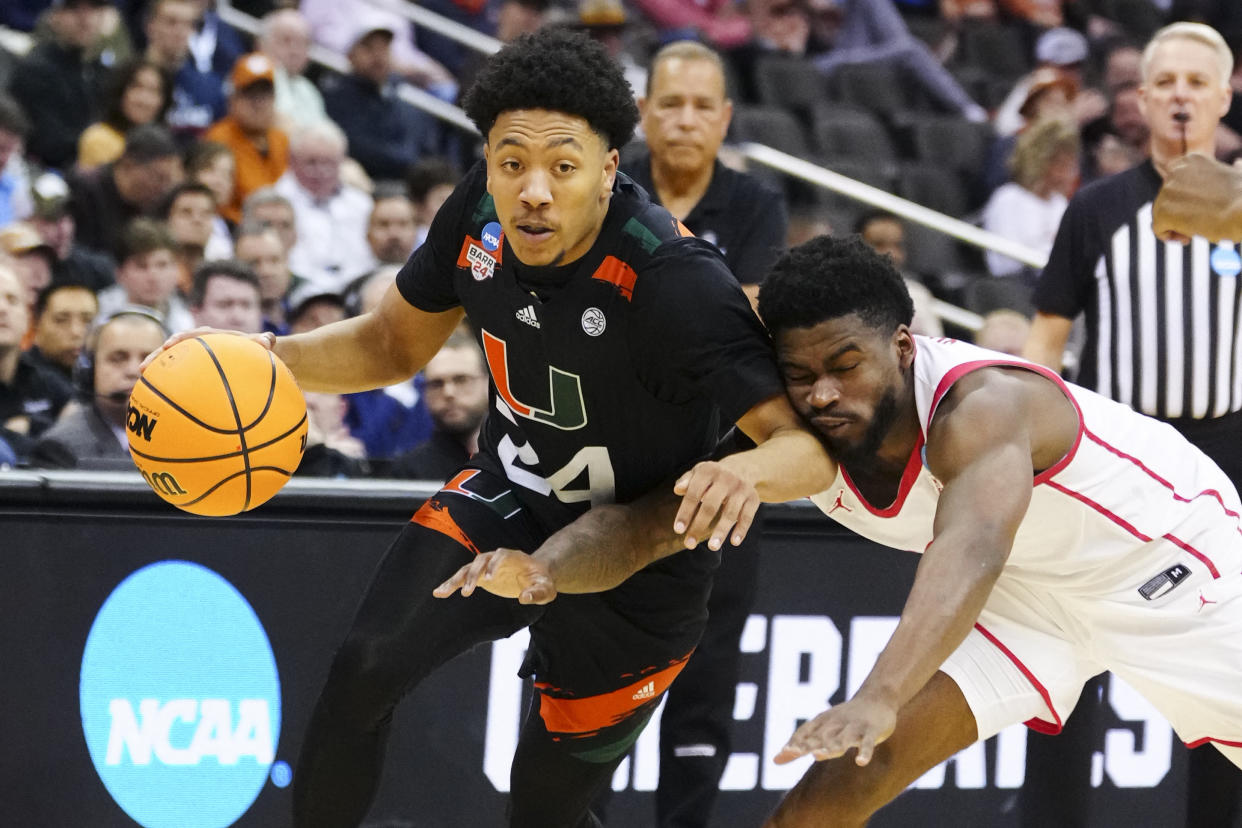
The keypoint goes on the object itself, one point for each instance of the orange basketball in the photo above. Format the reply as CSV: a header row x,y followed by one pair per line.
x,y
216,424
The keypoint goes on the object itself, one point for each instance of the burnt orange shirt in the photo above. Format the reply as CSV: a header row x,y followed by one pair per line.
x,y
254,168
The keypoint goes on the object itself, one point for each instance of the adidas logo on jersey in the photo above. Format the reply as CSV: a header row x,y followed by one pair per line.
x,y
527,315
647,691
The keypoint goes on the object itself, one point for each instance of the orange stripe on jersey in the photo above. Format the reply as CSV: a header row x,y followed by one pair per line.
x,y
459,480
435,515
618,273
588,716
682,230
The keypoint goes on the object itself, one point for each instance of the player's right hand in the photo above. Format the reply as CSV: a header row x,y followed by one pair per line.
x,y
858,723
267,340
717,504
508,573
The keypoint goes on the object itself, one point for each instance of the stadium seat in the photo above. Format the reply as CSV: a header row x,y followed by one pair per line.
x,y
789,82
775,127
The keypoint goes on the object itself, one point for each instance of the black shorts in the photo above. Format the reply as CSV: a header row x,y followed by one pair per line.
x,y
601,662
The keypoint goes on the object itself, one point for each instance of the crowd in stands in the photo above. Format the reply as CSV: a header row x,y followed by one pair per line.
x,y
155,159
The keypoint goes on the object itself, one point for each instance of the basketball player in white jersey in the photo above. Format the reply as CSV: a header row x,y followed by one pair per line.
x,y
1063,534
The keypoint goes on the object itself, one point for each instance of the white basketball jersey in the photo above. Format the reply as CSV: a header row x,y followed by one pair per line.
x,y
1128,480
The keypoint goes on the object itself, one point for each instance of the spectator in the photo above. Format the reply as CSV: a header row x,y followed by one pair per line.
x,y
286,40
148,275
31,396
331,451
393,419
14,183
331,215
104,201
884,233
260,148
57,86
873,31
311,308
215,46
1028,209
1061,52
188,211
92,435
63,315
137,93
334,25
269,208
719,21
30,257
685,115
225,295
1117,140
75,264
431,182
259,249
455,388
198,96
386,134
211,163
392,229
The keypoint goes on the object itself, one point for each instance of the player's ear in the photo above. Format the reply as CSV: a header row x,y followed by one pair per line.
x,y
487,164
611,161
903,340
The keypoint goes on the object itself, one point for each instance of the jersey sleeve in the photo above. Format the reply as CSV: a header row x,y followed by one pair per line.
x,y
1062,286
426,279
697,337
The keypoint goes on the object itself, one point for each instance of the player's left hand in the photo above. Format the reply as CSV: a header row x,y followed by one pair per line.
x,y
858,723
508,573
712,493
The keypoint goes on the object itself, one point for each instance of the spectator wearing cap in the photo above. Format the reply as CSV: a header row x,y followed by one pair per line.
x,y
136,93
198,96
147,275
31,258
1062,52
260,148
75,264
62,317
311,307
285,38
331,215
31,396
386,134
57,86
105,200
14,186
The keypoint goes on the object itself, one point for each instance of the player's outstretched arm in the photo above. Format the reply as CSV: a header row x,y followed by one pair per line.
x,y
980,449
596,552
384,347
719,498
1200,197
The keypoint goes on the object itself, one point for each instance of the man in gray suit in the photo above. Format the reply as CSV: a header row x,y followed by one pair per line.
x,y
92,435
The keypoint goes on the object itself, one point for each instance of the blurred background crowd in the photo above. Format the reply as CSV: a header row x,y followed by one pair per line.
x,y
272,174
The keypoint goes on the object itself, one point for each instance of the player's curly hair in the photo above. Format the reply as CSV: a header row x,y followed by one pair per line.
x,y
827,278
561,70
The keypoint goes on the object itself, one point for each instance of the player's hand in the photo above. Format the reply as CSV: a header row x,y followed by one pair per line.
x,y
716,504
858,723
509,573
267,340
1197,199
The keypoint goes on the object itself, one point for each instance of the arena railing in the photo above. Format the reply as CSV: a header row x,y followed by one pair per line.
x,y
757,153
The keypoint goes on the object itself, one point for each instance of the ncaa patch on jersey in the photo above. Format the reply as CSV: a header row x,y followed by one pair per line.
x,y
1226,261
491,235
593,321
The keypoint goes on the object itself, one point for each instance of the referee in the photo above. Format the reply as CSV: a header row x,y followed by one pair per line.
x,y
1163,319
685,115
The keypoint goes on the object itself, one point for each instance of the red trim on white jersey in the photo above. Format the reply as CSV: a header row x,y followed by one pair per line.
x,y
1038,725
913,466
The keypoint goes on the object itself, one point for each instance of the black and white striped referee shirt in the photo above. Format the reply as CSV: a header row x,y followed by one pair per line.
x,y
1163,319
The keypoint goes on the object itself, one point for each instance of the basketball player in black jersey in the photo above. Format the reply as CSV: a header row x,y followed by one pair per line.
x,y
617,345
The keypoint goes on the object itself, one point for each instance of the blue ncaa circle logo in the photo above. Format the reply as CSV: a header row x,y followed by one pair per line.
x,y
180,698
491,236
1226,261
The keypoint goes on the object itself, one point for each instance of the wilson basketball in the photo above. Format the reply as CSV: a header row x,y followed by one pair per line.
x,y
216,424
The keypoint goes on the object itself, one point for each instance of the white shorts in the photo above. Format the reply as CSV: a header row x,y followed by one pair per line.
x,y
1033,648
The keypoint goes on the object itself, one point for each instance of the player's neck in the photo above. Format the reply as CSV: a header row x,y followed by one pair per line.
x,y
680,190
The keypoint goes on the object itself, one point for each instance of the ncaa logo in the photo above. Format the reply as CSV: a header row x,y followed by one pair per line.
x,y
180,699
491,236
593,321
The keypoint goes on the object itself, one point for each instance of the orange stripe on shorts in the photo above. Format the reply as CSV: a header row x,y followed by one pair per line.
x,y
435,515
587,716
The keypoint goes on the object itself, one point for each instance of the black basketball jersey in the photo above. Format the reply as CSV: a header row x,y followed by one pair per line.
x,y
610,374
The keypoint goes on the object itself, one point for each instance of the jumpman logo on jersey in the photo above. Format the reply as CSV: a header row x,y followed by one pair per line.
x,y
840,504
1203,602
